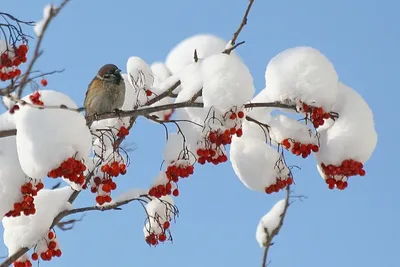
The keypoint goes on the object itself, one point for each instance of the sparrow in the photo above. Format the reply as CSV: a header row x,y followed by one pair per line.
x,y
106,92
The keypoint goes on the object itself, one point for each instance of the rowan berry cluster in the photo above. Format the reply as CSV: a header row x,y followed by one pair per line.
x,y
178,169
26,263
103,185
35,98
298,148
52,250
347,168
316,114
211,149
10,60
70,169
27,206
279,185
153,239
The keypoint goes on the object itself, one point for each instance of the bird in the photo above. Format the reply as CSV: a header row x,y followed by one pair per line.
x,y
105,93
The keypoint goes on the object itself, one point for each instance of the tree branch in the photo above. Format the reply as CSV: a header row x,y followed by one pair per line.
x,y
241,26
275,232
36,54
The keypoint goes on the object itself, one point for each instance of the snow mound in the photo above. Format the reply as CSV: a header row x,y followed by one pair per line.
x,y
353,134
302,73
11,175
254,162
191,81
47,137
269,222
160,72
283,127
227,82
7,121
26,231
159,211
183,53
174,147
139,73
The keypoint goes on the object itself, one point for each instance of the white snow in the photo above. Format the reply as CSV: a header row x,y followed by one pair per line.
x,y
130,194
269,222
6,100
192,132
11,175
26,231
302,73
139,73
47,137
183,53
353,135
191,81
254,163
159,211
227,82
173,147
38,28
160,72
283,127
7,121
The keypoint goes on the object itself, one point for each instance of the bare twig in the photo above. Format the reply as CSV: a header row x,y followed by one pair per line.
x,y
241,26
54,11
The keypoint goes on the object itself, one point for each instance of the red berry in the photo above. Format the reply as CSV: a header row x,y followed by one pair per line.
x,y
50,235
166,225
35,256
175,192
149,92
162,237
240,114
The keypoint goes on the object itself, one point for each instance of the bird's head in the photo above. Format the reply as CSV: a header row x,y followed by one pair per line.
x,y
110,73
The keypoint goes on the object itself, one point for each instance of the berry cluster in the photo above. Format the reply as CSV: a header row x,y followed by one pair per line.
x,y
26,206
179,169
298,148
347,168
70,169
280,184
123,132
35,98
51,251
316,114
102,186
153,239
9,65
26,263
212,148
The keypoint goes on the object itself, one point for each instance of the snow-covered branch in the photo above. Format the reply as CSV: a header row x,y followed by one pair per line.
x,y
271,224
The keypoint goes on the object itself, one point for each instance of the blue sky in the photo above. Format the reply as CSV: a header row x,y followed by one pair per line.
x,y
355,227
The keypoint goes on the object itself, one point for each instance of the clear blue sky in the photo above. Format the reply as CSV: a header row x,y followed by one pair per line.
x,y
357,227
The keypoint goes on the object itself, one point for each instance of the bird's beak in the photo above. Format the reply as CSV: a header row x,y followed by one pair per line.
x,y
118,71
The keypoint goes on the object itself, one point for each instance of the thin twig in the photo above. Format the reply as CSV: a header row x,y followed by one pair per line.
x,y
241,26
36,54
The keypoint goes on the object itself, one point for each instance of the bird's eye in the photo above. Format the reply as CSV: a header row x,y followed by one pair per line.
x,y
107,76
